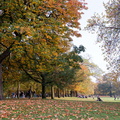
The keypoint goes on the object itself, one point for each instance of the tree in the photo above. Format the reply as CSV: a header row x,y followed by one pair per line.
x,y
116,88
61,70
84,84
94,69
103,89
35,29
65,73
107,27
112,83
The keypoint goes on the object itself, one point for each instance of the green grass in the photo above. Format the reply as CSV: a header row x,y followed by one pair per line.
x,y
60,109
105,99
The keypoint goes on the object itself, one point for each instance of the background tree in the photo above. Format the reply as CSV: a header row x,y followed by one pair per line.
x,y
94,69
70,64
107,27
85,85
108,86
103,89
113,83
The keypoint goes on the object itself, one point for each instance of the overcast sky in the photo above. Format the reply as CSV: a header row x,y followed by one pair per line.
x,y
88,40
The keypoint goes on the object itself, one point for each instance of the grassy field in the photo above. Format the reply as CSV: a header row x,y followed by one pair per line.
x,y
60,109
105,99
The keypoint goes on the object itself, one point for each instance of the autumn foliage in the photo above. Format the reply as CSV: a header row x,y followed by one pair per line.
x,y
34,33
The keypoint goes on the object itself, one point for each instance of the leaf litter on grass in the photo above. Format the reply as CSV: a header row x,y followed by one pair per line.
x,y
58,110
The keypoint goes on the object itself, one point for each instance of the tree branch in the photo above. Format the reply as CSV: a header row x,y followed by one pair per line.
x,y
6,53
31,76
3,45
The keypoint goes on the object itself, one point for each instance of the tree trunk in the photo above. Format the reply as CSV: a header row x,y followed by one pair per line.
x,y
43,87
1,83
18,90
52,92
58,92
110,89
76,93
5,54
110,93
30,92
63,92
71,93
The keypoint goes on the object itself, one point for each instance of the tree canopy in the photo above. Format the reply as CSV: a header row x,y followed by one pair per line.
x,y
34,33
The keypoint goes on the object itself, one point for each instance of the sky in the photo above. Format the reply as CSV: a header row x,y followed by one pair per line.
x,y
88,40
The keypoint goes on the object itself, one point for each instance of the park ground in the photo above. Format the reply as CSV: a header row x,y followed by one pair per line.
x,y
69,108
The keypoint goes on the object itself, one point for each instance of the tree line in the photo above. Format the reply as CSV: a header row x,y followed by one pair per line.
x,y
36,41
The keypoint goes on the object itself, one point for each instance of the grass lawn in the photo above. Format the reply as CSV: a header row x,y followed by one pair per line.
x,y
105,99
60,109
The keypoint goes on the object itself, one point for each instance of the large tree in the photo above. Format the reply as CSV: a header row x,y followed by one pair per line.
x,y
107,27
59,71
35,31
